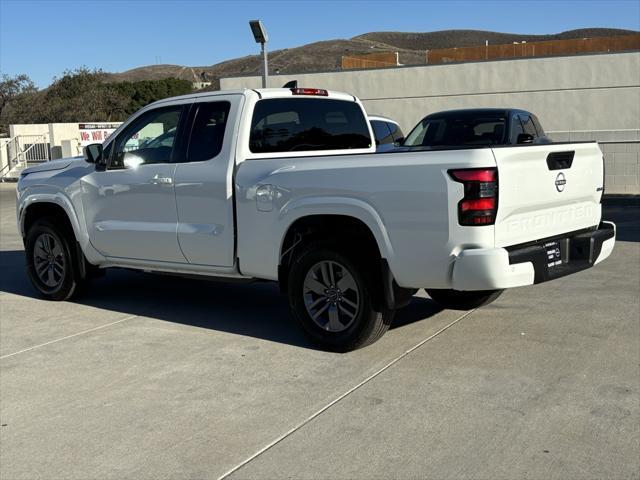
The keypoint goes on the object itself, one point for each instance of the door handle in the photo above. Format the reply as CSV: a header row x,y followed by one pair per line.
x,y
158,180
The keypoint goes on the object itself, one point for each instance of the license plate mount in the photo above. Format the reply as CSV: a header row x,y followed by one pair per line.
x,y
554,254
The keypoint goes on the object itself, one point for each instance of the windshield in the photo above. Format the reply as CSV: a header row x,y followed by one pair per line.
x,y
458,130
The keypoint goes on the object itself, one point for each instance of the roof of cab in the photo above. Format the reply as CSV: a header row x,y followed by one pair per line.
x,y
288,92
262,93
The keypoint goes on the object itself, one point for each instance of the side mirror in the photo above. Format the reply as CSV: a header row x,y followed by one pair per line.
x,y
525,138
399,141
92,153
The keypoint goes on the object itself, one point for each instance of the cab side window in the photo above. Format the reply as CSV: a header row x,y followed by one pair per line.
x,y
149,139
396,132
538,126
516,129
207,134
528,126
382,132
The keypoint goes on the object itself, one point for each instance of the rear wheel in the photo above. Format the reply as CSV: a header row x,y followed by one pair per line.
x,y
330,295
51,260
459,300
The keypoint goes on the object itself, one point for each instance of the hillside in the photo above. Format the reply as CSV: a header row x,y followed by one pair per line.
x,y
326,55
470,38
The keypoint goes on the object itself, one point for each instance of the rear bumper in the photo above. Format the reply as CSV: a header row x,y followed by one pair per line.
x,y
498,268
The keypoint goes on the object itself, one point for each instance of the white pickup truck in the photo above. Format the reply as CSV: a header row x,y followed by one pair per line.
x,y
285,185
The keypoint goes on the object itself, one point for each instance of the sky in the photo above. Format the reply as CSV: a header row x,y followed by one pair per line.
x,y
44,38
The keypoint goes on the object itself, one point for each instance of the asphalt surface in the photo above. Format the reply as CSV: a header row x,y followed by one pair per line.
x,y
161,377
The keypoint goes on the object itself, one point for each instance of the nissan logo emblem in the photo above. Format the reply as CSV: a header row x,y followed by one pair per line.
x,y
560,182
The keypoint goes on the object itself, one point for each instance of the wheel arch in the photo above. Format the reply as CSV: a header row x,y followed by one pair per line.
x,y
320,226
338,209
46,208
360,239
36,204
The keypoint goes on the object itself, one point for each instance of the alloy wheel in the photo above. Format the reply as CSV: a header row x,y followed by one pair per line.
x,y
48,260
331,296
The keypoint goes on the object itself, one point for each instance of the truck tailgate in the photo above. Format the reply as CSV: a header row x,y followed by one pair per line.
x,y
547,190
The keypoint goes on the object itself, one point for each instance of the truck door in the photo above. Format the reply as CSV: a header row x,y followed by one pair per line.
x,y
129,205
204,182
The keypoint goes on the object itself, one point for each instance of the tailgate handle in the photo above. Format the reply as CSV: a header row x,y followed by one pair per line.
x,y
560,160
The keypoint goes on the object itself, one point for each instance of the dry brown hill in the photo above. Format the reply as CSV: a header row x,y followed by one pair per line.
x,y
470,38
326,55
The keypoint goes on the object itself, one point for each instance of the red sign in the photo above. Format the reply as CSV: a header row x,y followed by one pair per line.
x,y
95,132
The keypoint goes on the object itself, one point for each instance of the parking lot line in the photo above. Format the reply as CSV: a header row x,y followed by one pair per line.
x,y
341,397
68,336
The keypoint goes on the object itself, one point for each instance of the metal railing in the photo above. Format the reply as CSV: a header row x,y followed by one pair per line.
x,y
5,164
23,149
32,148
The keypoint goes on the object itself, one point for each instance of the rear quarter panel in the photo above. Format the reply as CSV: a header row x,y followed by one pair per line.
x,y
406,199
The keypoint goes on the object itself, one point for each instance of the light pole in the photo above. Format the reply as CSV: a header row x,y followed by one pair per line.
x,y
260,36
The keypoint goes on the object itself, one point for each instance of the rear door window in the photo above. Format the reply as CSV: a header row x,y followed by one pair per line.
x,y
306,124
207,133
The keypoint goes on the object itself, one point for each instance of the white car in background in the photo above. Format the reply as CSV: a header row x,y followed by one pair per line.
x,y
387,132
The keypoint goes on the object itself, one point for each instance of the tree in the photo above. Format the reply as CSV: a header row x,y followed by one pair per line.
x,y
12,86
24,108
81,95
144,92
84,95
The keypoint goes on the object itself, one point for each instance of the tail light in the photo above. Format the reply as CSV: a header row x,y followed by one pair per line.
x,y
480,203
310,91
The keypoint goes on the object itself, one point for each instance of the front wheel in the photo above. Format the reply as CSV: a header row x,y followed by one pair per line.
x,y
330,295
51,260
459,300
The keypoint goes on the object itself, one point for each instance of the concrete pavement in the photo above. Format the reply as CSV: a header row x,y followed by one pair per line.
x,y
161,377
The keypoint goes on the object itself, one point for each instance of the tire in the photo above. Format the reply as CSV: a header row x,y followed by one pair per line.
x,y
52,260
339,326
458,300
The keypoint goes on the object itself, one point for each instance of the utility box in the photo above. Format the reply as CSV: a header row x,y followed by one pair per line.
x,y
56,152
70,148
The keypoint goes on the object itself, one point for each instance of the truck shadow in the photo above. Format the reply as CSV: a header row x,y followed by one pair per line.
x,y
256,310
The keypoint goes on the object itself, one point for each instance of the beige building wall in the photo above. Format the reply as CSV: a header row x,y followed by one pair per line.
x,y
64,131
586,97
587,92
28,129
